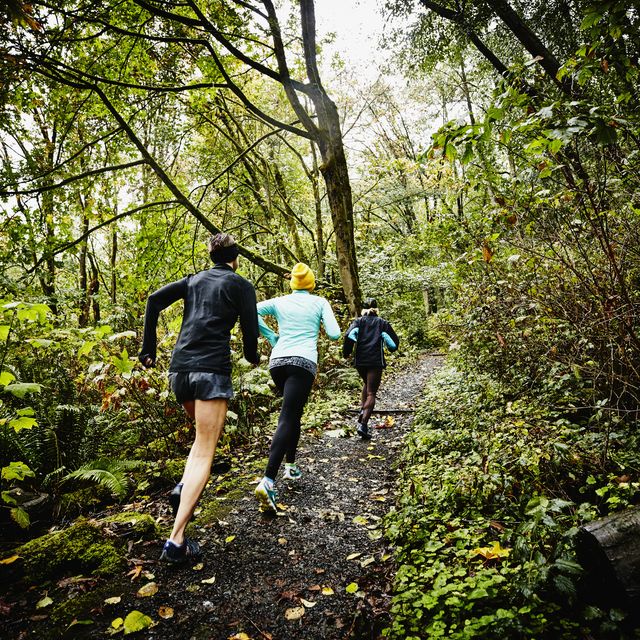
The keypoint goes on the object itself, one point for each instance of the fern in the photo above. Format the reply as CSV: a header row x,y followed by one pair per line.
x,y
110,474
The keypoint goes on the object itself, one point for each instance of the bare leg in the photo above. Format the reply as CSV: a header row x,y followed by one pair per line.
x,y
209,416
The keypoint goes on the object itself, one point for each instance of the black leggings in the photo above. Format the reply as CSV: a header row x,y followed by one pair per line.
x,y
294,383
371,376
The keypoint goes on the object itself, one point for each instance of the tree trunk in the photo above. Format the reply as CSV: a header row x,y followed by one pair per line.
x,y
334,164
314,175
609,551
83,301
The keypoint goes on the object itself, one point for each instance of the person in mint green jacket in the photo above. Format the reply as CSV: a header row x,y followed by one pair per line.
x,y
293,366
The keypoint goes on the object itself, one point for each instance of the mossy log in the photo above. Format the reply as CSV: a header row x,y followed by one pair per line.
x,y
609,551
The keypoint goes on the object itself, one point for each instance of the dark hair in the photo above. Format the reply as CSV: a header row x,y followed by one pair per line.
x,y
370,303
222,248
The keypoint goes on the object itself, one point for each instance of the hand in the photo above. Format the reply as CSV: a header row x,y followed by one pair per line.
x,y
147,361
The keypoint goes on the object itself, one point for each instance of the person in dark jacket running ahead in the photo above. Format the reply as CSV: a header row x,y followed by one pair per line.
x,y
369,334
200,368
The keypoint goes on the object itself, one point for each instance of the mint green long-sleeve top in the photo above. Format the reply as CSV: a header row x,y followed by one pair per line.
x,y
299,316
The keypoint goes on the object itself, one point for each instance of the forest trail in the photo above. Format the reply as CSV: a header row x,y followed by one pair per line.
x,y
259,570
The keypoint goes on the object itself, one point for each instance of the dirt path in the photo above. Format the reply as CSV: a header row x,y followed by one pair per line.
x,y
327,539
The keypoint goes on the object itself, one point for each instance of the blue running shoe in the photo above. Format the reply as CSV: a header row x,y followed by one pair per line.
x,y
173,553
267,495
363,432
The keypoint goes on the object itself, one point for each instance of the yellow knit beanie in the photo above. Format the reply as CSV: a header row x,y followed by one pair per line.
x,y
302,277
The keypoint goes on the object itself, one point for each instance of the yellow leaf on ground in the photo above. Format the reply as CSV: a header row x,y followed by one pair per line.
x,y
367,561
353,556
135,572
352,587
492,552
308,603
327,591
295,613
282,541
198,567
165,612
229,538
360,520
149,589
240,636
210,580
44,602
10,559
114,600
117,623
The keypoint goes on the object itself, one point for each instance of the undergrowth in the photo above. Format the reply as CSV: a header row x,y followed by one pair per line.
x,y
493,491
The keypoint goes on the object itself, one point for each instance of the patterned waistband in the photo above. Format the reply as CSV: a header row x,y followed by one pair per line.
x,y
295,361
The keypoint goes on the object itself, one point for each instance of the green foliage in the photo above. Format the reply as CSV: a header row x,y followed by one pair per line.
x,y
110,474
492,493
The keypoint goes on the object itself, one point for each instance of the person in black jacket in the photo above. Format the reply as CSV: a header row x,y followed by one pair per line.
x,y
200,368
369,334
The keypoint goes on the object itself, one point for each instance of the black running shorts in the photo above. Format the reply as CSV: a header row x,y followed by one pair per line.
x,y
200,385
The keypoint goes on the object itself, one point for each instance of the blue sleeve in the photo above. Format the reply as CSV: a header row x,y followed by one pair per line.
x,y
267,308
353,334
390,344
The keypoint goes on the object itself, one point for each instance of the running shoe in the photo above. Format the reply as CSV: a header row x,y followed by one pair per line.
x,y
173,553
291,471
363,432
267,495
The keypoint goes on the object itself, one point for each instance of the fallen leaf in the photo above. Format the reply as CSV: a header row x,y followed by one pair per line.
x,y
353,556
192,588
327,591
136,621
360,520
375,535
149,589
384,557
10,559
295,613
282,541
351,587
198,567
113,600
229,538
308,603
379,498
75,622
44,602
148,575
314,587
135,572
117,623
492,552
165,612
239,636
210,580
367,561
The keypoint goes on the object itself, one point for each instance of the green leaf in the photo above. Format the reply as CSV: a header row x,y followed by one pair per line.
x,y
352,587
4,331
20,389
20,517
86,347
123,364
44,602
136,621
24,422
6,377
17,471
